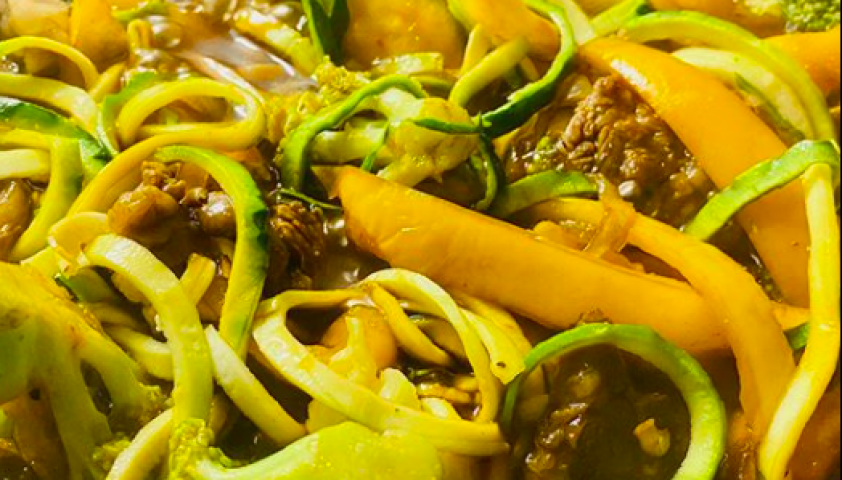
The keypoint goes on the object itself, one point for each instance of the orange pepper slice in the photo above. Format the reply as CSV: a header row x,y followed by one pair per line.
x,y
550,283
819,54
726,138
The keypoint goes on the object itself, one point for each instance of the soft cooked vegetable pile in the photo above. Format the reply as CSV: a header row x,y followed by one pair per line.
x,y
419,239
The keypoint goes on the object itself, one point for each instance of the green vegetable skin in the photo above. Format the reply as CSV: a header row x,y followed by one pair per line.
x,y
65,184
708,420
328,21
106,128
540,187
294,162
698,27
758,181
251,254
526,102
347,451
28,116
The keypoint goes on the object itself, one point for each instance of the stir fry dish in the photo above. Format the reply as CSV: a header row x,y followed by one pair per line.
x,y
419,239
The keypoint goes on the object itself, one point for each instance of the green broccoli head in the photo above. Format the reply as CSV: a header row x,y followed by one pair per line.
x,y
811,15
47,343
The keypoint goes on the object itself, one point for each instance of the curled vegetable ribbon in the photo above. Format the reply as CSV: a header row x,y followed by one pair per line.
x,y
293,360
85,241
67,98
708,420
123,172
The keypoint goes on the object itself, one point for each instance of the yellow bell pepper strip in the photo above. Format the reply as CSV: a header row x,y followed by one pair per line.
x,y
708,420
726,138
819,54
758,181
96,33
777,102
821,355
745,314
696,27
65,184
251,253
499,262
33,121
286,355
506,20
412,26
524,103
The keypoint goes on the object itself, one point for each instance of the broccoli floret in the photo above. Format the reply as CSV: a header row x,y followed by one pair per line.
x,y
811,15
46,342
324,455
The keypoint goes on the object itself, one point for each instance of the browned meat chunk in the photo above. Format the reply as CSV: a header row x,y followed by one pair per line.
x,y
613,134
15,213
610,416
297,240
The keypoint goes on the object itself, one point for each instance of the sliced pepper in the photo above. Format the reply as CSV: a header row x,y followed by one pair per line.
x,y
502,263
818,53
708,420
726,138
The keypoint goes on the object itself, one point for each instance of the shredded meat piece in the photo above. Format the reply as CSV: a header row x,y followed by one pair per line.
x,y
599,398
297,240
145,214
217,215
613,134
15,213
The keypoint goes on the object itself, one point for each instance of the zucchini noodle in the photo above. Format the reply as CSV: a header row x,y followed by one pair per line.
x,y
153,356
249,395
123,172
53,93
24,163
179,319
492,67
84,64
819,362
292,360
422,291
409,336
65,183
